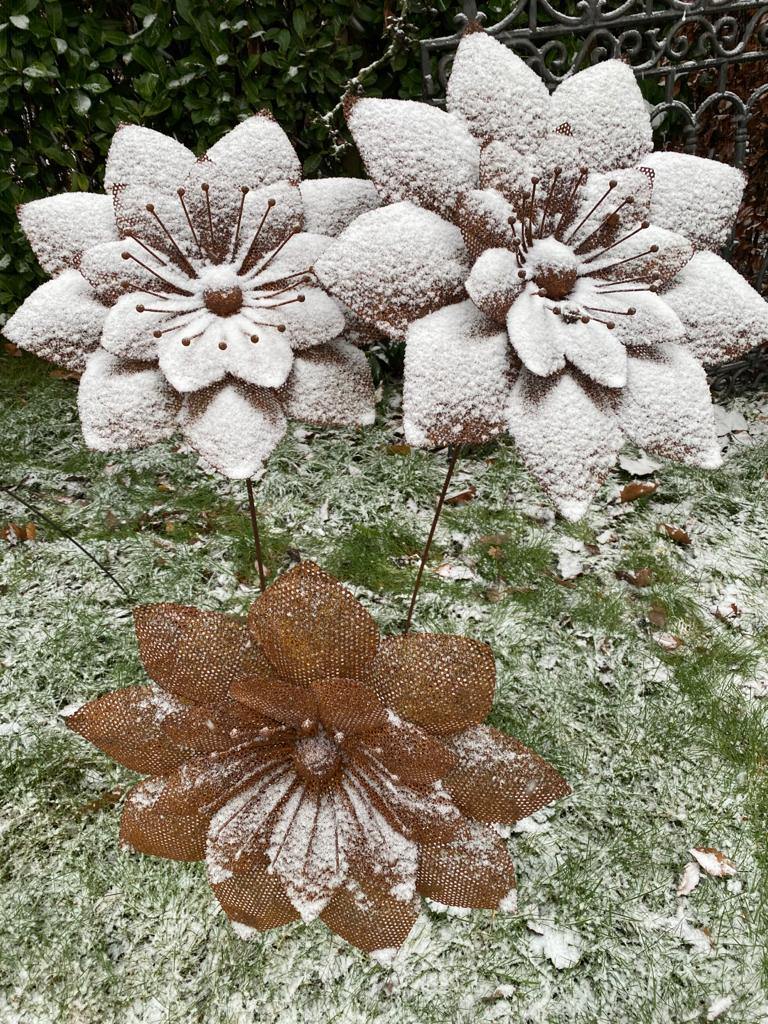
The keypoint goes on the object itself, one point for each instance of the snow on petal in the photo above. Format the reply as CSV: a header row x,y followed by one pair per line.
x,y
257,152
537,335
694,196
653,254
472,870
60,228
296,257
61,320
483,216
142,156
111,274
315,319
415,151
124,405
394,265
331,204
666,409
606,111
234,427
567,441
493,284
723,315
457,378
128,329
496,92
199,363
330,385
652,322
594,350
266,362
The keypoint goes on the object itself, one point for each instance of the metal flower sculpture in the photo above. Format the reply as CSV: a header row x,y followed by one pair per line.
x,y
187,295
549,273
319,769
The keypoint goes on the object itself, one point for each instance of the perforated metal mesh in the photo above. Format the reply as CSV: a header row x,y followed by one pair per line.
x,y
301,758
472,870
443,683
498,779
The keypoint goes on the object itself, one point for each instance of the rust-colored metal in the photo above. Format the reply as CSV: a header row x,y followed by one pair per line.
x,y
256,537
319,769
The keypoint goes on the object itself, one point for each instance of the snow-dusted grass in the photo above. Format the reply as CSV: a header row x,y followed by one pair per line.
x,y
665,749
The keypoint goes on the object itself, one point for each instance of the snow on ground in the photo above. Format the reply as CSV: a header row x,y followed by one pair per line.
x,y
645,688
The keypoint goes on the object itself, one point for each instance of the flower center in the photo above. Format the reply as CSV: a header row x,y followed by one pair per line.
x,y
554,267
317,758
224,301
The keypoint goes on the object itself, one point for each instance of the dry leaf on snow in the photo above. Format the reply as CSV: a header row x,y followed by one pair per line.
x,y
714,862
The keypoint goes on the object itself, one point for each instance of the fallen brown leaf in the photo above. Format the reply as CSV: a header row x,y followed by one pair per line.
x,y
65,374
637,489
398,449
640,578
17,533
657,615
11,349
462,497
689,879
714,862
675,533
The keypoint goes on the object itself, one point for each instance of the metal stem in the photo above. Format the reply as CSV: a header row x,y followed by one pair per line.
x,y
453,454
60,529
256,538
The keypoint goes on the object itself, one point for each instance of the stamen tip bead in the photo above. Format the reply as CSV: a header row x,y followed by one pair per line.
x,y
157,334
301,298
244,189
610,325
281,327
205,186
125,255
556,310
140,308
222,345
535,180
631,311
150,207
181,192
645,224
654,248
585,319
271,202
185,342
254,338
612,183
522,275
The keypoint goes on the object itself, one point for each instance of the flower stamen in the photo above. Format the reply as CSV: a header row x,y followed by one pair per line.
x,y
611,186
246,264
186,266
129,256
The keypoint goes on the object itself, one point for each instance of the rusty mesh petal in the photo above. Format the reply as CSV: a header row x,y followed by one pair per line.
x,y
146,827
370,922
127,725
472,870
276,700
254,897
193,654
208,727
348,707
498,779
408,751
443,683
310,627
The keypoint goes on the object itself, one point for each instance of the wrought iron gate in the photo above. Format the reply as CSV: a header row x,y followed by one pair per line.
x,y
663,40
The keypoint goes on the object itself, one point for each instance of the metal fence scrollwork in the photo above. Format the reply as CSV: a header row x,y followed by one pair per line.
x,y
685,49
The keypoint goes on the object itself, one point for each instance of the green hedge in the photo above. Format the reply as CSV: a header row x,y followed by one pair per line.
x,y
70,73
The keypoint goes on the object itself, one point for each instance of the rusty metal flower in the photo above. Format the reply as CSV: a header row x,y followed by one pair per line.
x,y
186,294
548,272
319,769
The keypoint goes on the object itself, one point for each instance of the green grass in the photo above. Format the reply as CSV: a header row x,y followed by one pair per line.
x,y
665,749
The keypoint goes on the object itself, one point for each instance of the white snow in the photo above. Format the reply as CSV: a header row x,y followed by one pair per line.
x,y
142,156
493,284
257,152
330,385
415,151
60,228
331,204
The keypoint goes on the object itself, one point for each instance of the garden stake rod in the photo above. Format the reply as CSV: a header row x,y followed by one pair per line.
x,y
256,539
60,529
453,454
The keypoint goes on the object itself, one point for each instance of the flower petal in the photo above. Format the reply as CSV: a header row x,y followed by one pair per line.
x,y
607,207
311,627
271,697
594,350
472,870
652,322
483,216
348,707
442,683
61,321
457,378
330,385
233,426
255,897
537,335
498,779
141,156
496,92
130,322
315,319
126,725
393,265
567,440
493,284
414,151
124,405
112,274
141,212
606,111
407,751
331,204
654,256
146,826
695,197
191,653
295,259
60,228
226,346
666,407
257,152
371,922
724,317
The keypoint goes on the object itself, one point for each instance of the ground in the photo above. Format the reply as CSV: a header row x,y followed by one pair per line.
x,y
649,698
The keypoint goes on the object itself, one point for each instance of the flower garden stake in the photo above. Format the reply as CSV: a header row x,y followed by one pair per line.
x,y
187,295
550,274
319,769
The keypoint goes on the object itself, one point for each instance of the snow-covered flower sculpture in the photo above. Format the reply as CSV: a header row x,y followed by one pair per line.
x,y
187,294
592,298
319,769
